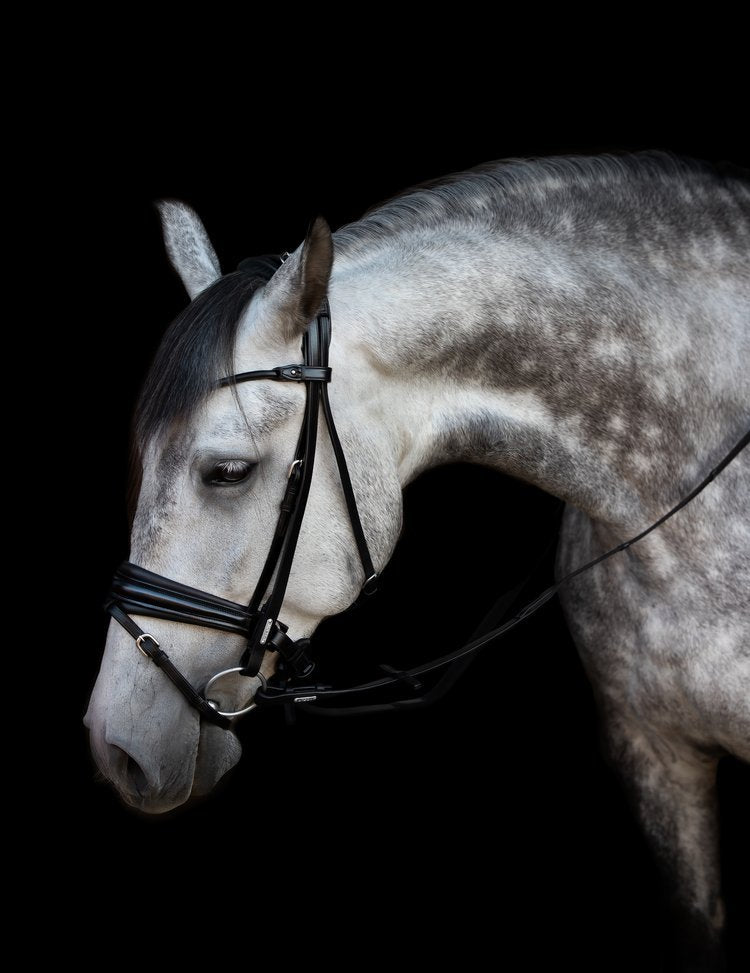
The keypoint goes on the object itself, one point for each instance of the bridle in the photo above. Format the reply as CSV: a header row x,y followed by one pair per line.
x,y
138,591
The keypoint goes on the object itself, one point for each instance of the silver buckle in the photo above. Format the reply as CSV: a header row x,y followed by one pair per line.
x,y
139,640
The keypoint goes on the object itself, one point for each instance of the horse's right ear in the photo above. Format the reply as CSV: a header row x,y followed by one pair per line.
x,y
188,247
297,289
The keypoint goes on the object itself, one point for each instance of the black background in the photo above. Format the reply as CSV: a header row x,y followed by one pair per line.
x,y
493,811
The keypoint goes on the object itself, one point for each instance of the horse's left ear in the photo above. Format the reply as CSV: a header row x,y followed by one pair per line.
x,y
188,247
297,290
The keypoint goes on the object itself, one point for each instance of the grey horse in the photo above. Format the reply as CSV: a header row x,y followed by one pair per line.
x,y
579,323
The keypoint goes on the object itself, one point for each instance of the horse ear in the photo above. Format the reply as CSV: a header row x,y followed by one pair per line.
x,y
188,247
298,289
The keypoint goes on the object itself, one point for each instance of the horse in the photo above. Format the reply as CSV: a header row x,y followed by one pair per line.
x,y
580,323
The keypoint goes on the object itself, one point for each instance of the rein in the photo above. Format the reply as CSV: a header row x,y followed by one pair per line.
x,y
138,591
459,659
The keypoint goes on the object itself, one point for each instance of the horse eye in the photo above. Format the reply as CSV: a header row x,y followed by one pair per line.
x,y
230,471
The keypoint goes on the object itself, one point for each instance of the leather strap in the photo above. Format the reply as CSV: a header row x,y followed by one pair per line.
x,y
283,373
141,592
277,568
150,648
311,698
371,577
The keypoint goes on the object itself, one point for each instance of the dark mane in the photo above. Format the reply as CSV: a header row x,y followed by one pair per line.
x,y
197,349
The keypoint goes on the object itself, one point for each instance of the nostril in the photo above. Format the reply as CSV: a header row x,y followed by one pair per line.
x,y
130,770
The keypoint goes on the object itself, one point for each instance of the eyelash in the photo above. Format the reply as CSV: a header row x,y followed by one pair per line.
x,y
230,472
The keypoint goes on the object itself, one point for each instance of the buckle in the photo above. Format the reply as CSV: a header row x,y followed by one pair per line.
x,y
303,373
400,675
139,641
371,584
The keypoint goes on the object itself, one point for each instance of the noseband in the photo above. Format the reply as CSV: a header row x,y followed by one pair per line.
x,y
140,592
136,591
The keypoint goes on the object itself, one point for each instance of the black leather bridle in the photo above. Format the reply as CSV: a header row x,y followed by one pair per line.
x,y
140,592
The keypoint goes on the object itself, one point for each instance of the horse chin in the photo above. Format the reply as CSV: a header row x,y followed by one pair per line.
x,y
218,751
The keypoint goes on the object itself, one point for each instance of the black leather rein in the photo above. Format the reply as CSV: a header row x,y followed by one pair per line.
x,y
136,591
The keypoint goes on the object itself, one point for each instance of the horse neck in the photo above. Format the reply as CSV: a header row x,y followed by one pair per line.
x,y
543,360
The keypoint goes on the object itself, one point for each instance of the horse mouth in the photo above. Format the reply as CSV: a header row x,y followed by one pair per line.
x,y
219,751
159,787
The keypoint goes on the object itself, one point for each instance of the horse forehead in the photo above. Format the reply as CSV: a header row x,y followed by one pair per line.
x,y
258,408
